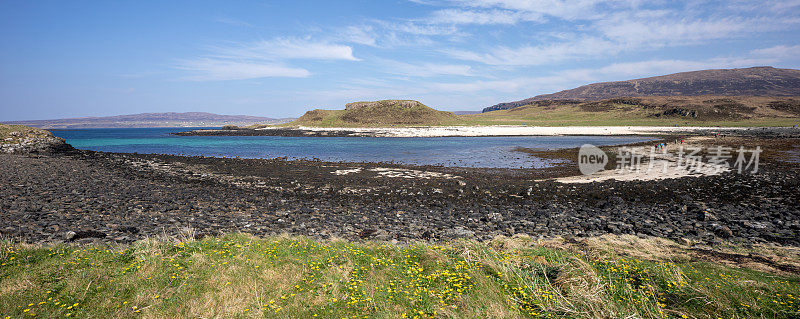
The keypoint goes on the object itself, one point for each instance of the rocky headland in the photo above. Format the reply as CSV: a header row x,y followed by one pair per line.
x,y
18,139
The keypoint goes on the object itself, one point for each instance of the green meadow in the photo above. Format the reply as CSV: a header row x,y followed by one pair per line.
x,y
241,276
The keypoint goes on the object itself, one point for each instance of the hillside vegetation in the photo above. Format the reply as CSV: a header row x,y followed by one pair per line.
x,y
656,111
378,113
240,276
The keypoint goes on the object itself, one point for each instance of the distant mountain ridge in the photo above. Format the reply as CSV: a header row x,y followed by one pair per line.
x,y
754,81
167,119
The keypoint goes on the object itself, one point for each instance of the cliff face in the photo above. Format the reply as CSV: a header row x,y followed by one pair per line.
x,y
756,81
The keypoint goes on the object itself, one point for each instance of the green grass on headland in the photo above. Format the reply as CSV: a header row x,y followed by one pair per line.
x,y
14,133
644,111
378,113
240,276
650,111
621,116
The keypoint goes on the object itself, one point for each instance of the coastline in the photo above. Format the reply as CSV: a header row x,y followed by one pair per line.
x,y
487,131
135,196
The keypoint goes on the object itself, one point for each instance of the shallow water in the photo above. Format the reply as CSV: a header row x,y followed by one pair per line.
x,y
490,152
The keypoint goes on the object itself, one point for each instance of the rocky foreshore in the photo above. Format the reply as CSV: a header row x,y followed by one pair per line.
x,y
88,196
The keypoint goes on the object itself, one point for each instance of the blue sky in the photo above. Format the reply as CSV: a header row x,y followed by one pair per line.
x,y
281,58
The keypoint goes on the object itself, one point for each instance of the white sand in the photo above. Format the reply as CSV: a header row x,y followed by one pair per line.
x,y
397,173
661,166
502,130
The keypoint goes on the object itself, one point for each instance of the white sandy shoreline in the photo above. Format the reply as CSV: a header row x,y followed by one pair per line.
x,y
472,131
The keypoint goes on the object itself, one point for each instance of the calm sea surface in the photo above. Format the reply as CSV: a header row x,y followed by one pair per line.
x,y
495,152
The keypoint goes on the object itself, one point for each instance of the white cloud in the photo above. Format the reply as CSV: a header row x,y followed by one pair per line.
x,y
629,70
627,32
670,31
481,17
358,34
422,28
779,51
262,59
221,70
564,9
540,55
607,28
288,48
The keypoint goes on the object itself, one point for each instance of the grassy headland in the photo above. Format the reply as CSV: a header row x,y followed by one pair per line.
x,y
288,277
379,113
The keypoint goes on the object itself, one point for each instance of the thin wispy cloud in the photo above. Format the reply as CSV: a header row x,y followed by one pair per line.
x,y
286,49
223,70
779,51
539,55
364,35
626,28
480,17
676,30
262,59
562,9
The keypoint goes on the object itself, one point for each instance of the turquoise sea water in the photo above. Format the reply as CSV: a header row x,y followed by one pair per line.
x,y
494,152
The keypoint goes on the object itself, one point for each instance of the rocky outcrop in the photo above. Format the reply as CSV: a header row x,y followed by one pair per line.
x,y
47,145
377,113
384,103
23,140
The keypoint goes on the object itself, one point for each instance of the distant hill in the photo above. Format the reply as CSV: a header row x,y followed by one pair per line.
x,y
386,112
170,119
704,110
755,81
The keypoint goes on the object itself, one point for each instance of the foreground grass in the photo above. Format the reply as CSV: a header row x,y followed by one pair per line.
x,y
244,276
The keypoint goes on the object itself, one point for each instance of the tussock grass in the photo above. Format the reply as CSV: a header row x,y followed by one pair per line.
x,y
241,276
